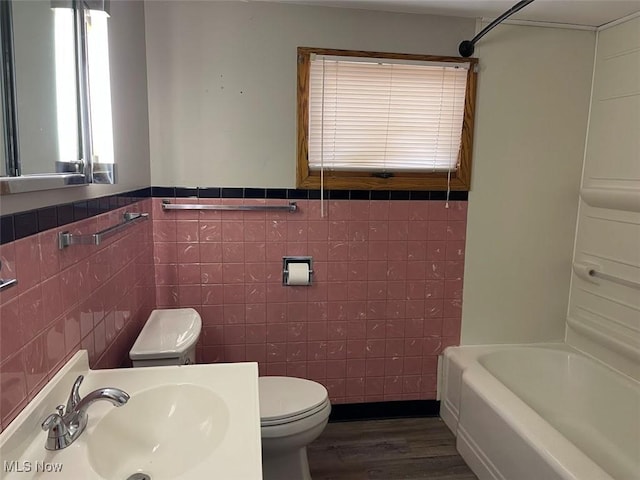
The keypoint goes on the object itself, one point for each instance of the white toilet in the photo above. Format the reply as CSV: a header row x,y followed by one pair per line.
x,y
168,338
293,411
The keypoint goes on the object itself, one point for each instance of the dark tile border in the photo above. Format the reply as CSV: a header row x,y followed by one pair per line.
x,y
400,195
295,194
276,193
349,412
202,192
47,218
339,194
360,195
255,193
23,224
7,230
229,192
171,191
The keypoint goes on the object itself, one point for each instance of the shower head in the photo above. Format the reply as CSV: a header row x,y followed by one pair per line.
x,y
466,48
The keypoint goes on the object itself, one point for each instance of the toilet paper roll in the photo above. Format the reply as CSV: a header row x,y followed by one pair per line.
x,y
298,274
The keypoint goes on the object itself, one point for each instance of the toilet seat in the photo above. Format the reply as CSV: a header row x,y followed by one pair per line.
x,y
288,399
293,418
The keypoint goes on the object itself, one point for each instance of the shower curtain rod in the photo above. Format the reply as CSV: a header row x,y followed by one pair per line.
x,y
467,47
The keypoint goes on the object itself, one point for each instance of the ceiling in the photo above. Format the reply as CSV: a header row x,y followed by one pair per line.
x,y
592,13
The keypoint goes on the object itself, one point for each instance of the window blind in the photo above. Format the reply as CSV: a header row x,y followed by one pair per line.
x,y
384,116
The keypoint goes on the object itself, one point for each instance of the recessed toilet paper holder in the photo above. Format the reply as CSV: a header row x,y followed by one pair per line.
x,y
286,261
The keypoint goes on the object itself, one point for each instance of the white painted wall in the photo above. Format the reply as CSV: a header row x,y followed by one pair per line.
x,y
222,113
130,115
533,99
603,317
222,81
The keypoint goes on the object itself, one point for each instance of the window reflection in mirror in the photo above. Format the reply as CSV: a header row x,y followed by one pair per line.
x,y
45,85
3,152
99,86
6,94
3,155
65,89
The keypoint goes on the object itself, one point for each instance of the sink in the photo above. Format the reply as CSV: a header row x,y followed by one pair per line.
x,y
162,432
182,422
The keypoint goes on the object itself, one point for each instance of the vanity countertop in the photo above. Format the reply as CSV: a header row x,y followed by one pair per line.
x,y
181,422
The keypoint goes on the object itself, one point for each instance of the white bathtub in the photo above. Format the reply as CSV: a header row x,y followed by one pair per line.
x,y
541,412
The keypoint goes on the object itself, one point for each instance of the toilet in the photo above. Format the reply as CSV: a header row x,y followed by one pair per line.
x,y
168,337
293,411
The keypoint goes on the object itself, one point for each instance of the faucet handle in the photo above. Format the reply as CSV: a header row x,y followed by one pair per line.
x,y
55,425
52,421
59,435
74,396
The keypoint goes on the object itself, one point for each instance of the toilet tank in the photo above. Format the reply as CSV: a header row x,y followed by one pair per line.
x,y
168,338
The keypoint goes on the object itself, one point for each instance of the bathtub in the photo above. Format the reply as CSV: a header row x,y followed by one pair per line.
x,y
542,412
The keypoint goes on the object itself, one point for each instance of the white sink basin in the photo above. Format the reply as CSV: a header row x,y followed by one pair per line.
x,y
181,422
162,432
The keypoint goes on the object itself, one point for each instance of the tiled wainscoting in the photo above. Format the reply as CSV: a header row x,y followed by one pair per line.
x,y
385,300
83,297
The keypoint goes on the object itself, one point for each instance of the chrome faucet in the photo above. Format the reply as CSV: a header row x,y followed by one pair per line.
x,y
69,422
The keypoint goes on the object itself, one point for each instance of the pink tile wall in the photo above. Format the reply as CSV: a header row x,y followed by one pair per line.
x,y
82,297
386,297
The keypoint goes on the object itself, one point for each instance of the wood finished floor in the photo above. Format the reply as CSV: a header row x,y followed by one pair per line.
x,y
407,449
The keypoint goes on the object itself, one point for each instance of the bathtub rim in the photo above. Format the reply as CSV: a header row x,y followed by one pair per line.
x,y
460,358
469,354
568,461
569,464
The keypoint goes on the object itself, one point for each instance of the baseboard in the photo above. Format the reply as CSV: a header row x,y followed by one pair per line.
x,y
347,412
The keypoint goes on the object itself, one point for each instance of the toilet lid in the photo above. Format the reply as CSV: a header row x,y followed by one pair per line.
x,y
168,333
284,397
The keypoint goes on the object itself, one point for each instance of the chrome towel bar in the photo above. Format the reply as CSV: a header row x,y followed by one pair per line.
x,y
166,205
7,283
65,238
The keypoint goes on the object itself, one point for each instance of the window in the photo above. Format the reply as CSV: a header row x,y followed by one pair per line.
x,y
66,87
370,120
99,87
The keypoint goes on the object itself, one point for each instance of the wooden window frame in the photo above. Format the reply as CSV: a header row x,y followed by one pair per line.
x,y
459,180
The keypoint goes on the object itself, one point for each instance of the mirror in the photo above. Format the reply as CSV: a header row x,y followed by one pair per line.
x,y
3,154
43,49
54,132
